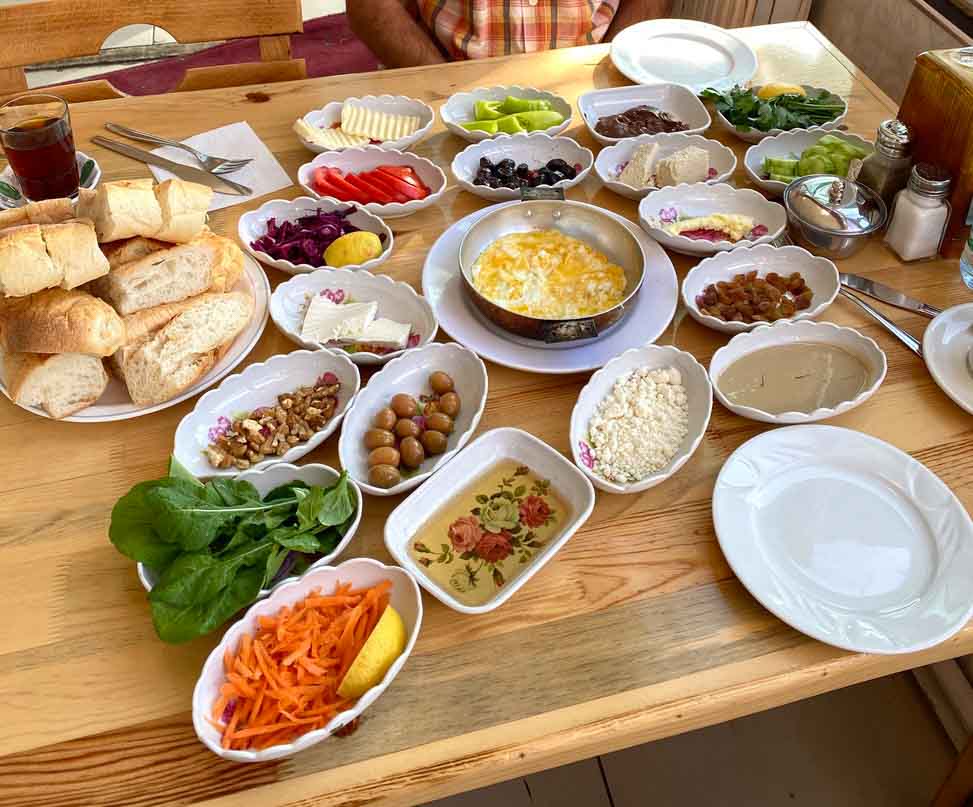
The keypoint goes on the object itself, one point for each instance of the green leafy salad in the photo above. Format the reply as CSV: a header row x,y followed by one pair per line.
x,y
214,546
746,110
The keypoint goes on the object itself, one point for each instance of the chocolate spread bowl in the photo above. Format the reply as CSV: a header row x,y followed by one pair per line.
x,y
577,219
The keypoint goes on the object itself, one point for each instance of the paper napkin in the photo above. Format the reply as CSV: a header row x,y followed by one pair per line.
x,y
236,141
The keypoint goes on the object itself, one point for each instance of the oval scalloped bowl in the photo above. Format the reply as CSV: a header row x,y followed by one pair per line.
x,y
253,225
755,135
367,157
360,572
259,385
676,99
396,300
783,333
410,373
535,149
820,275
459,108
698,390
330,114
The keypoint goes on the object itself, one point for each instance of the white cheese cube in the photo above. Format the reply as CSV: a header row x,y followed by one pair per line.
x,y
641,167
686,165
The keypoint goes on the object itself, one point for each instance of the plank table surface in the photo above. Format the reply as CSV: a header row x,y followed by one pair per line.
x,y
636,630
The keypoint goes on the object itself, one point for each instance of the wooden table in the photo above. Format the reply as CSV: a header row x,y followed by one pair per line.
x,y
637,630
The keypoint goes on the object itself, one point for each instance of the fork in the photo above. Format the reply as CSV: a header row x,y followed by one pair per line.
x,y
215,165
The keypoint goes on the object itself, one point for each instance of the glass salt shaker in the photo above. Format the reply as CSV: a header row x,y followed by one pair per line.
x,y
886,169
917,224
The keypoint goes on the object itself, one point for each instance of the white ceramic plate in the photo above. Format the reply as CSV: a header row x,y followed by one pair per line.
x,y
688,52
396,300
268,478
535,149
259,385
676,99
784,332
756,135
846,538
611,160
366,158
330,114
698,391
700,199
496,445
360,572
459,108
820,275
410,373
115,404
945,344
253,225
651,312
788,144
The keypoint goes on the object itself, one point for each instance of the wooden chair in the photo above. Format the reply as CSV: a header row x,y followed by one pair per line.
x,y
740,13
58,29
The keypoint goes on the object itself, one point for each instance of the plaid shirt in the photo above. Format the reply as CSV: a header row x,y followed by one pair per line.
x,y
473,29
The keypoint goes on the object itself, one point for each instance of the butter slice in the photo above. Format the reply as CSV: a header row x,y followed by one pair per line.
x,y
327,138
690,164
325,321
376,125
386,332
639,173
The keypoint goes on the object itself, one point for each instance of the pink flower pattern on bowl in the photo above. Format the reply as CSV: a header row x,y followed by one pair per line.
x,y
220,429
668,215
587,455
336,296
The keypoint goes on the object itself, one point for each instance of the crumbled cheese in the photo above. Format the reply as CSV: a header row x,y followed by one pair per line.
x,y
638,427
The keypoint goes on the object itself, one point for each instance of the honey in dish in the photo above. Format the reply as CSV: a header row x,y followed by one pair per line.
x,y
486,535
548,275
800,377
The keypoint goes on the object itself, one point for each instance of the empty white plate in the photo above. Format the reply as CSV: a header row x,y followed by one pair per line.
x,y
846,538
688,52
945,345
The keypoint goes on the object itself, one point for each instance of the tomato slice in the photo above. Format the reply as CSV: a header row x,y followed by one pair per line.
x,y
402,186
330,182
373,192
394,187
406,174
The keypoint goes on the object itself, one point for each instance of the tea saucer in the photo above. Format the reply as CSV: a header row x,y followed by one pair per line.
x,y
651,312
10,193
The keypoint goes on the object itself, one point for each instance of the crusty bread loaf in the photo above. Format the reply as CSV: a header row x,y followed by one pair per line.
x,y
13,217
73,248
183,205
160,362
122,209
50,211
130,249
60,321
25,266
208,263
61,384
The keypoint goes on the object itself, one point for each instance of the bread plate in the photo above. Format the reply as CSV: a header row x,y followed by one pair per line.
x,y
396,300
611,160
535,149
330,114
756,135
676,99
258,386
365,158
253,225
459,108
115,403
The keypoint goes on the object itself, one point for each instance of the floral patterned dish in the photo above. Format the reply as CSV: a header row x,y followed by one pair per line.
x,y
89,173
520,502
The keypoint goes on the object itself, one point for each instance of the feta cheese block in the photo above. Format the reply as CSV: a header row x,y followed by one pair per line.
x,y
690,164
327,138
387,333
375,124
325,321
640,170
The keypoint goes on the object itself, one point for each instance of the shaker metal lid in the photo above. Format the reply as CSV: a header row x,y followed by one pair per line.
x,y
930,180
894,138
835,205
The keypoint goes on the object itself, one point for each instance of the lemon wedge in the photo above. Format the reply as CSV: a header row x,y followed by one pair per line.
x,y
353,248
776,88
381,649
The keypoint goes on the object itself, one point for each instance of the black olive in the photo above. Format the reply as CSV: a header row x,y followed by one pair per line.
x,y
493,182
485,163
522,170
512,182
507,164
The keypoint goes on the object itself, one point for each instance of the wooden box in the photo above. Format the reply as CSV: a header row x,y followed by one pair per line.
x,y
938,106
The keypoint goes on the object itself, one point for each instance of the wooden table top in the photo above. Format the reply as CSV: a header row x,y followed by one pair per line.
x,y
636,630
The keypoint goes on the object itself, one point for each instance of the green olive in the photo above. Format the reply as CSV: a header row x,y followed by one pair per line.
x,y
434,442
386,455
439,422
412,452
384,476
449,404
404,405
440,382
407,427
377,438
384,419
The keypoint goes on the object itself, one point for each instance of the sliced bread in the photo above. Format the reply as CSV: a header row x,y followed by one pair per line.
x,y
127,250
61,384
60,321
25,266
73,248
122,209
183,205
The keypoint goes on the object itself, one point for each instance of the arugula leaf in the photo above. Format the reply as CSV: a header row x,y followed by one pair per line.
x,y
309,508
339,503
234,491
286,491
195,577
179,471
295,538
132,529
274,561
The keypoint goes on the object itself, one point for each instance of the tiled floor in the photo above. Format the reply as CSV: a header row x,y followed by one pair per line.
x,y
873,745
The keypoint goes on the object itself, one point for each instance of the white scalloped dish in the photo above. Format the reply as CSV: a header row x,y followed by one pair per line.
x,y
258,386
676,99
396,300
404,597
330,114
253,225
459,108
700,200
756,135
782,333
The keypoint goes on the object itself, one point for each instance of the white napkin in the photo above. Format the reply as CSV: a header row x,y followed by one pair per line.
x,y
236,141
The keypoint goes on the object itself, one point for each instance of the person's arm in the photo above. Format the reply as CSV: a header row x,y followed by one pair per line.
x,y
633,11
392,33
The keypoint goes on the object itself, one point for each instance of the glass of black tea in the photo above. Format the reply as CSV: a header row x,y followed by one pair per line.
x,y
35,131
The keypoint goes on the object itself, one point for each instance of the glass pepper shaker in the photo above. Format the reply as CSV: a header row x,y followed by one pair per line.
x,y
886,169
919,214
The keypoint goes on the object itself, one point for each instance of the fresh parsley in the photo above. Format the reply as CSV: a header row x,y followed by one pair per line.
x,y
746,111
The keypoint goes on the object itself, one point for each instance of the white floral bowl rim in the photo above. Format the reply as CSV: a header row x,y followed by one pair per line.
x,y
331,112
499,92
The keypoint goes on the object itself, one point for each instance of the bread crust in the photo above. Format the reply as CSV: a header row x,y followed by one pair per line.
x,y
61,321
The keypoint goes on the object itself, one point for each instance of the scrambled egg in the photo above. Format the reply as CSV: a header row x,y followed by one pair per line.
x,y
735,225
548,275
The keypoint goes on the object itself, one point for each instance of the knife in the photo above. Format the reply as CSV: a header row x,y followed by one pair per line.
x,y
888,295
182,171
